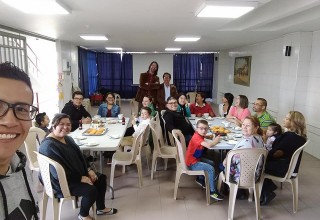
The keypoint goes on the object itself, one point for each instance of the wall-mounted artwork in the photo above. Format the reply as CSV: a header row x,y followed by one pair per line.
x,y
242,70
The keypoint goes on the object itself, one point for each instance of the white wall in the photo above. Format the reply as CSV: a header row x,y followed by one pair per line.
x,y
141,63
67,51
287,83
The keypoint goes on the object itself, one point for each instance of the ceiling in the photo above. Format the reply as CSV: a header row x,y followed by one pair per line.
x,y
152,25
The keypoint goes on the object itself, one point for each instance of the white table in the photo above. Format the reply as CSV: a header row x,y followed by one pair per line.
x,y
104,142
223,144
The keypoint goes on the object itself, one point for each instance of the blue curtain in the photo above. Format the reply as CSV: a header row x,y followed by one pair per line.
x,y
87,71
186,71
127,89
109,70
206,75
187,74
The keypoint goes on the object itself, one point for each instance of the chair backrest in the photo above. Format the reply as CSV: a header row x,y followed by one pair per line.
x,y
250,160
145,135
156,135
181,146
134,105
44,165
167,135
294,160
191,96
136,145
31,144
117,99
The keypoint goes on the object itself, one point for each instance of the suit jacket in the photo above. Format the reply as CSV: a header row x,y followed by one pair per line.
x,y
150,89
161,102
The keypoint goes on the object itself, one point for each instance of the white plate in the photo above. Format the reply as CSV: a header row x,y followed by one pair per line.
x,y
80,138
114,136
237,128
232,142
91,144
237,135
220,117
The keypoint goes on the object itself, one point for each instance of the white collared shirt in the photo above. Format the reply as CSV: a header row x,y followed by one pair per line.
x,y
166,91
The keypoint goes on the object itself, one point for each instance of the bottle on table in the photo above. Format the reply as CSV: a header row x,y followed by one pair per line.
x,y
80,124
123,120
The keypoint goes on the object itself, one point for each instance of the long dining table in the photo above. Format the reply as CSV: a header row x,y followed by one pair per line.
x,y
108,141
226,142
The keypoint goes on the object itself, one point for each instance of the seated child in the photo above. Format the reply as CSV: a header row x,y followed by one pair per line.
x,y
274,130
194,153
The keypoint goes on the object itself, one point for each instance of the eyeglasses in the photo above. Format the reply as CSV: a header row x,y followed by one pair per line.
x,y
257,104
204,129
21,111
172,103
78,99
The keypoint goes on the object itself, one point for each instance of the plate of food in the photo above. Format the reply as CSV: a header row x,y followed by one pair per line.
x,y
95,132
232,142
219,130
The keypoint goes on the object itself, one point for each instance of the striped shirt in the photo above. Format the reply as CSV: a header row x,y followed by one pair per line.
x,y
265,120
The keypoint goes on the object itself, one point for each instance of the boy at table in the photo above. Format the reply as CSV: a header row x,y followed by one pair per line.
x,y
194,159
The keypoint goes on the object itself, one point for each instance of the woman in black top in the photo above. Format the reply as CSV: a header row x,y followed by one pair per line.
x,y
82,180
283,148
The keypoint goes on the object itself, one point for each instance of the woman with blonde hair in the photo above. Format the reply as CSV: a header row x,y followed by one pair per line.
x,y
283,148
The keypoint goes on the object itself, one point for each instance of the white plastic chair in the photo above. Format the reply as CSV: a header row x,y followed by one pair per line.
x,y
128,158
191,96
182,167
291,177
117,99
250,161
31,144
44,165
134,105
160,148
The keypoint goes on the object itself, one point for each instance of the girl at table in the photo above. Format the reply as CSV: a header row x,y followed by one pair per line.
x,y
109,109
183,105
82,180
200,106
226,104
240,111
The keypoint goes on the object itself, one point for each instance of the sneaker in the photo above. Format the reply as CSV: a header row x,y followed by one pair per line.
x,y
217,196
201,182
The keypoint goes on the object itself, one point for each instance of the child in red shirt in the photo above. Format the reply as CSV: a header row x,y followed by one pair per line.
x,y
194,153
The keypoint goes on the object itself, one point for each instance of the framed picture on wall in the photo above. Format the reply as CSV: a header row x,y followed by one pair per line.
x,y
242,70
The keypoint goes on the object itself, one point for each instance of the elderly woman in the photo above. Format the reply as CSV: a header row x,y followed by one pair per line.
x,y
283,148
240,111
183,105
109,109
226,104
200,106
82,180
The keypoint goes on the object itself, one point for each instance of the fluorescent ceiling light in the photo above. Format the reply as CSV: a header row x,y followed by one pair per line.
x,y
225,9
44,7
113,48
187,39
172,49
93,37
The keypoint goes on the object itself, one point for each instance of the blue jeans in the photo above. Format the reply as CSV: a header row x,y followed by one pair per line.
x,y
210,170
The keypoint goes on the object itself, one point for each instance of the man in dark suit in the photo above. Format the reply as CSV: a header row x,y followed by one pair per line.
x,y
165,91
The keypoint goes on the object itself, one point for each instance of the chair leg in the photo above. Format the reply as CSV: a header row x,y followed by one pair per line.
x,y
232,199
257,200
139,168
56,214
250,195
154,159
295,191
176,183
165,163
113,166
206,178
220,179
123,168
44,204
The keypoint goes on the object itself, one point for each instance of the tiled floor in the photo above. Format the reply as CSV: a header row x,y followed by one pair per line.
x,y
154,201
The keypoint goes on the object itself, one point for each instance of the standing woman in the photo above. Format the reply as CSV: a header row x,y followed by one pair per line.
x,y
226,104
149,83
183,105
82,181
240,111
109,108
283,148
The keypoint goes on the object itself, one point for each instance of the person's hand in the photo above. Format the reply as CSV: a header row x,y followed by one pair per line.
x,y
86,120
147,83
199,115
85,179
133,121
92,175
